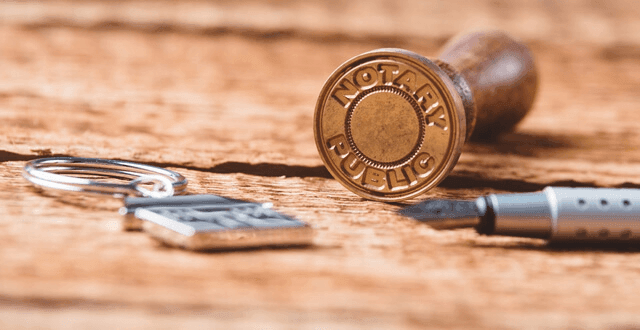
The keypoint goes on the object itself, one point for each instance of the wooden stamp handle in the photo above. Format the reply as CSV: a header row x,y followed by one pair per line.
x,y
496,78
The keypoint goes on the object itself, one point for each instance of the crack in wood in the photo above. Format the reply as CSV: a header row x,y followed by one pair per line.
x,y
272,170
255,34
210,309
8,156
453,181
69,303
465,182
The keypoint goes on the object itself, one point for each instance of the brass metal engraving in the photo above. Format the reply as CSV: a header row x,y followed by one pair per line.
x,y
387,126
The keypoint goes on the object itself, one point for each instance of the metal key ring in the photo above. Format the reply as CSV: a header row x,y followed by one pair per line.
x,y
48,173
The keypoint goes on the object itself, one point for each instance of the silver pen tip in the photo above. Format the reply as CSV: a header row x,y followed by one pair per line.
x,y
443,214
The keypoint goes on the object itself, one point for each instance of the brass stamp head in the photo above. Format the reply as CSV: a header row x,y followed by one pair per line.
x,y
389,124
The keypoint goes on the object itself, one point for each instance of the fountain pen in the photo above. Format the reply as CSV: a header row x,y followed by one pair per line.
x,y
555,213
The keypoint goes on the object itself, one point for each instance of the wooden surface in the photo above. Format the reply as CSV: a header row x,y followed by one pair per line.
x,y
224,92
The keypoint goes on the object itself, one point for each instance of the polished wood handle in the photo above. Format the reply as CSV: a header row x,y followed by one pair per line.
x,y
496,77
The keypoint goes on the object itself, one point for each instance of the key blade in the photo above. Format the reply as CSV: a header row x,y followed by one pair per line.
x,y
444,214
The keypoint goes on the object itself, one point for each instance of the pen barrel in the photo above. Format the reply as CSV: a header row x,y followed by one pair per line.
x,y
569,214
595,214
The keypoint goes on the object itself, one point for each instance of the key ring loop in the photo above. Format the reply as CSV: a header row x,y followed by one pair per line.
x,y
49,173
162,186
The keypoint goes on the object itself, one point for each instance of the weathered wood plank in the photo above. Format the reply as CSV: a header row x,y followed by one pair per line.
x,y
572,21
200,108
224,100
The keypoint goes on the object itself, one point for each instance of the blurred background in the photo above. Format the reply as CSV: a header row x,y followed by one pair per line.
x,y
224,92
231,61
267,60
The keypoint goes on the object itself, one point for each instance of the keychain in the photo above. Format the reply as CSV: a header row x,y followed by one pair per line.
x,y
194,222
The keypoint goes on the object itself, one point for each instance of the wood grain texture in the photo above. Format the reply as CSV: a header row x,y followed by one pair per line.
x,y
224,92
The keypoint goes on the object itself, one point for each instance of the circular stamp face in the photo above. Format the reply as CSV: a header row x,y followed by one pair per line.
x,y
387,126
